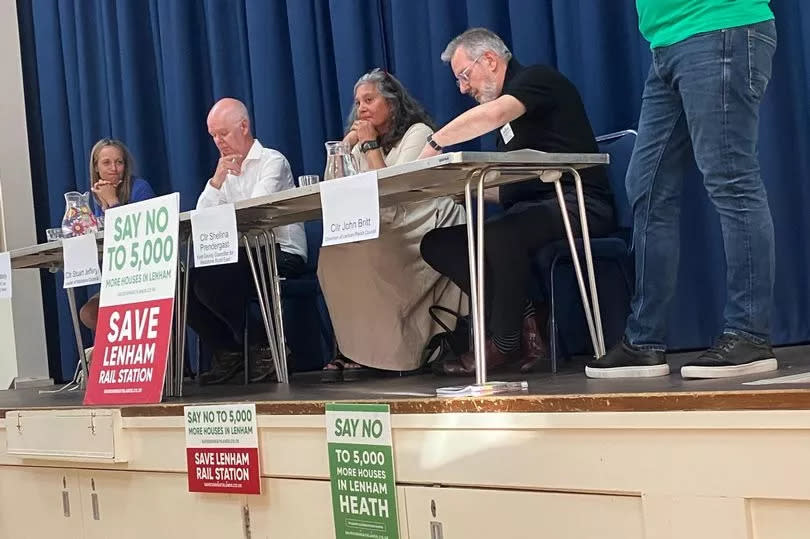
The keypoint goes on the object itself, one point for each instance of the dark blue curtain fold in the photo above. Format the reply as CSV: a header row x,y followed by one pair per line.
x,y
148,71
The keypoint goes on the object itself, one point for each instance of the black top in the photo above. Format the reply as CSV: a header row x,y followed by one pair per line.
x,y
554,122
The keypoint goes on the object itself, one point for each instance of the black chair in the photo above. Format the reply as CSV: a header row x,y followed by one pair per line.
x,y
612,250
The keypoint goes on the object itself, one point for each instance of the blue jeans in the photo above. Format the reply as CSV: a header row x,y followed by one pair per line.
x,y
704,93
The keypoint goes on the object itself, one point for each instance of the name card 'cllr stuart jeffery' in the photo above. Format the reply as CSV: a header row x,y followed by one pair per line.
x,y
5,275
351,209
80,257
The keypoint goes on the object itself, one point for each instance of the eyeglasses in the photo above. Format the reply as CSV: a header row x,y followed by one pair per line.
x,y
464,76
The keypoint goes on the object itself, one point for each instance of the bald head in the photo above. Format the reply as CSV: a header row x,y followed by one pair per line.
x,y
229,126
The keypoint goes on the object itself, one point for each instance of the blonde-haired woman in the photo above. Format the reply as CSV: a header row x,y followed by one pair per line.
x,y
113,184
111,177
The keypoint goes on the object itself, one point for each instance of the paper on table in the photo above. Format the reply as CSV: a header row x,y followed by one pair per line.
x,y
489,388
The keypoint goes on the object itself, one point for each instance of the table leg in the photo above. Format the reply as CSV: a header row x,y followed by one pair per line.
x,y
173,386
275,297
481,370
586,240
264,297
77,333
262,303
475,253
182,296
478,326
586,304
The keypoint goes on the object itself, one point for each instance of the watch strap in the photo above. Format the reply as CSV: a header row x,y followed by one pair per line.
x,y
369,145
434,144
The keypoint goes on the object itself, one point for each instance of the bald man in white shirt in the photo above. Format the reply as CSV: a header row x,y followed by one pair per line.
x,y
216,308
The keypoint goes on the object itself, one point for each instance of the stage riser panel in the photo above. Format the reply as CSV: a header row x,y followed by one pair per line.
x,y
674,453
133,505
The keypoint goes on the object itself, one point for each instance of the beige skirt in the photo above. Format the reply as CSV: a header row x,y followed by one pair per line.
x,y
379,291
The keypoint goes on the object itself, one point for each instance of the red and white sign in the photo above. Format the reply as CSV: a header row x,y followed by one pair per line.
x,y
139,273
222,449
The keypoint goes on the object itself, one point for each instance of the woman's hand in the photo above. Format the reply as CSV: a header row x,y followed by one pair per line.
x,y
106,192
351,138
365,131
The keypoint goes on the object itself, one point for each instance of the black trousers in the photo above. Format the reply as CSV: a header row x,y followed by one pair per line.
x,y
511,240
218,295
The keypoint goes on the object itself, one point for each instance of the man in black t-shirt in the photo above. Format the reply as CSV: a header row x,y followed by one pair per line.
x,y
534,108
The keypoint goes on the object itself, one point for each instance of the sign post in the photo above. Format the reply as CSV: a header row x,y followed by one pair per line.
x,y
361,468
139,272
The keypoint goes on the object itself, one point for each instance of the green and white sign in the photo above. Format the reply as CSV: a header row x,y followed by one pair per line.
x,y
361,467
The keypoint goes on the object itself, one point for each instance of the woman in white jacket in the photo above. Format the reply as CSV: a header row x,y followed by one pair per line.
x,y
379,291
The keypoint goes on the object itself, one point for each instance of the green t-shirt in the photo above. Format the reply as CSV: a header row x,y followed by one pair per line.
x,y
664,22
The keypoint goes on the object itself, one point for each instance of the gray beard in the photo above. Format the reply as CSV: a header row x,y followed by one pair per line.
x,y
488,93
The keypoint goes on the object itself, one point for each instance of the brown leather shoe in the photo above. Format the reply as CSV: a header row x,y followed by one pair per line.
x,y
533,347
465,364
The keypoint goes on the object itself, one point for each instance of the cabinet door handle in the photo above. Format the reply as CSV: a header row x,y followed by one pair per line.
x,y
94,503
66,503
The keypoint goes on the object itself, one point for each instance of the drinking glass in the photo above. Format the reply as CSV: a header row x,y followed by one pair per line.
x,y
308,179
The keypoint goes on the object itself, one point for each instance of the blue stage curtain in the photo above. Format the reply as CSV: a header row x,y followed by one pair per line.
x,y
148,71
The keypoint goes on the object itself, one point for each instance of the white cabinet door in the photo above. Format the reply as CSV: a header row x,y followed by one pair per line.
x,y
39,502
292,508
471,514
147,505
301,509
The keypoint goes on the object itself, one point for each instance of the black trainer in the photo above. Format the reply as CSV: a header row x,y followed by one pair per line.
x,y
731,355
627,361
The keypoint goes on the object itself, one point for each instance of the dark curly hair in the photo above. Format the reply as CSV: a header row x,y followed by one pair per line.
x,y
405,110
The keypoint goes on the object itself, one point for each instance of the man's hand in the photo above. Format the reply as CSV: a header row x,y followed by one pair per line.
x,y
228,164
106,193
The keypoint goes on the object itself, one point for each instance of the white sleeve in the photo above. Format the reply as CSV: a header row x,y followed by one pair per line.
x,y
274,176
412,143
211,196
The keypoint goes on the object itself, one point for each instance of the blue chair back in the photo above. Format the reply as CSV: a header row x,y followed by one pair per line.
x,y
620,147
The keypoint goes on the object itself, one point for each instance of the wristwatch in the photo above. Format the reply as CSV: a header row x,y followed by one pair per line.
x,y
369,145
434,144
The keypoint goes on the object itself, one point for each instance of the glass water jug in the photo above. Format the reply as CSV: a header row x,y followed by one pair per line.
x,y
339,160
79,218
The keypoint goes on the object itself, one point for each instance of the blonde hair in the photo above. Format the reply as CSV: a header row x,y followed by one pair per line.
x,y
124,189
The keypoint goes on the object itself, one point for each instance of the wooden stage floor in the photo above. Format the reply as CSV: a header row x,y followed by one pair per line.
x,y
567,391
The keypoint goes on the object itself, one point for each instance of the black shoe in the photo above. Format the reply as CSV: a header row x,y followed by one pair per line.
x,y
225,366
626,361
261,368
731,355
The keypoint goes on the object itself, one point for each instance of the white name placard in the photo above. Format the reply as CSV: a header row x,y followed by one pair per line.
x,y
351,209
80,255
215,237
5,275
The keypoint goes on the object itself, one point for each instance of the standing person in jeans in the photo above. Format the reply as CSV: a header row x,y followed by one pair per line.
x,y
711,62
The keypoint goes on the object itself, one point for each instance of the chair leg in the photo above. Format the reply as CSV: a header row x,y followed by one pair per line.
x,y
552,319
246,345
